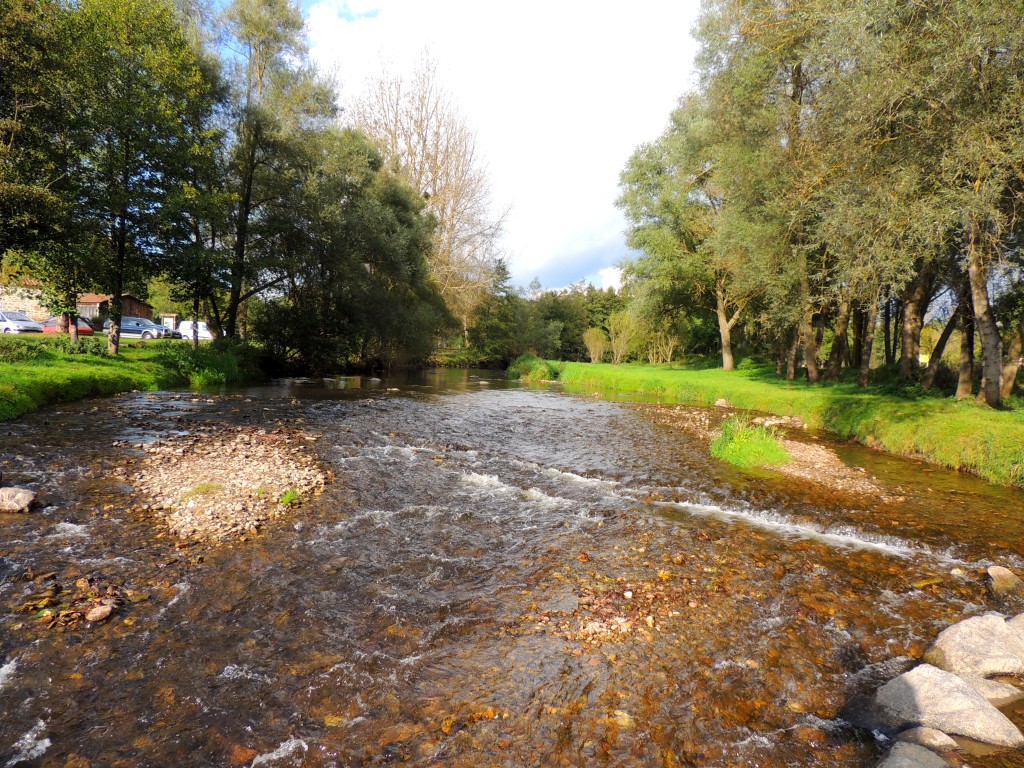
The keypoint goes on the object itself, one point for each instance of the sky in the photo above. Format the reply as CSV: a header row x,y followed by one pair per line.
x,y
559,93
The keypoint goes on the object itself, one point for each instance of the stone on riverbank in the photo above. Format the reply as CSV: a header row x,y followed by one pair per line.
x,y
16,499
933,698
981,646
907,755
1004,582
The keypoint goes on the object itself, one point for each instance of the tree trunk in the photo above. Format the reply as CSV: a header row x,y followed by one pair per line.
x,y
841,342
73,327
890,355
238,261
853,356
195,322
724,325
807,331
965,383
791,356
991,343
940,347
1012,362
868,342
915,303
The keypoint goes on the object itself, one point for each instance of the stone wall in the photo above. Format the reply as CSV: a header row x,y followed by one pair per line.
x,y
26,300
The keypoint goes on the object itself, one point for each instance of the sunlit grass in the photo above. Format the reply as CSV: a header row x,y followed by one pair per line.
x,y
748,445
961,435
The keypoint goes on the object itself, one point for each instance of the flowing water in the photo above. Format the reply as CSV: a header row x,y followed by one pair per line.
x,y
498,576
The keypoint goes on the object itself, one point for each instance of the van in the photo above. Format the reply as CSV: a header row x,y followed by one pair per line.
x,y
205,334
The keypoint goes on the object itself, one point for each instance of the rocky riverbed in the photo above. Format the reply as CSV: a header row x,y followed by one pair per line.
x,y
224,481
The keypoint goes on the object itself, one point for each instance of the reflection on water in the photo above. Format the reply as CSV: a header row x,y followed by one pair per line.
x,y
499,576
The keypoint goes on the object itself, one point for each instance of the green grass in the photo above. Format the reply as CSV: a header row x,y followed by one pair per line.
x,y
39,371
748,445
957,434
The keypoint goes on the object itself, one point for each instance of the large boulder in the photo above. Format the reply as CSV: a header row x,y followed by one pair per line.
x,y
1016,625
1004,582
998,694
933,698
905,755
981,646
16,499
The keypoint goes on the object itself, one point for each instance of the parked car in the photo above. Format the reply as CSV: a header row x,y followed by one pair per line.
x,y
12,321
205,334
138,328
84,329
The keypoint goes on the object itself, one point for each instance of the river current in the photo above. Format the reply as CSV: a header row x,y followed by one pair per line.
x,y
497,576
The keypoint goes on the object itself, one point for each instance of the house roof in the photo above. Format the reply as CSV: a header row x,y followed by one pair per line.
x,y
99,298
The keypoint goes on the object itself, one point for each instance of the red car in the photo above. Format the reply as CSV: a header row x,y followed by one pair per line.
x,y
50,326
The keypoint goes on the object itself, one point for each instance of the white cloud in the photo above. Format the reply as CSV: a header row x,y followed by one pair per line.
x,y
611,277
560,93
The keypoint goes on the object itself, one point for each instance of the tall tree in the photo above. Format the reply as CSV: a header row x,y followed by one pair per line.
x,y
673,200
430,144
143,75
277,95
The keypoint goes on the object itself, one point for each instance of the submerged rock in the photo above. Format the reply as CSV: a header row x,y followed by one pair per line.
x,y
1004,582
981,646
16,499
906,755
933,698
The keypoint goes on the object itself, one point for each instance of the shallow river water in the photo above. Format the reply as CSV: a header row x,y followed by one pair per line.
x,y
497,576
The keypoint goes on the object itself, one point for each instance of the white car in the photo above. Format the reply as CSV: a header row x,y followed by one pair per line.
x,y
205,334
12,321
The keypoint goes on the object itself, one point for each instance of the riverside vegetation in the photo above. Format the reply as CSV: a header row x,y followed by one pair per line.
x,y
959,434
39,372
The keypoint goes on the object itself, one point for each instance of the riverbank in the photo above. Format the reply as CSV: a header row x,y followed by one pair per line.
x,y
36,372
961,435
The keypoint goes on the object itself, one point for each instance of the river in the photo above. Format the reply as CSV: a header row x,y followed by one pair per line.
x,y
498,576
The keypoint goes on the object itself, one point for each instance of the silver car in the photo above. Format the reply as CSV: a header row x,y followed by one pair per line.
x,y
138,328
12,321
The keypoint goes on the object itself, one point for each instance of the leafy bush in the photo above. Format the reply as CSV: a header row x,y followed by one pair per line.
x,y
86,345
18,350
219,363
531,368
748,445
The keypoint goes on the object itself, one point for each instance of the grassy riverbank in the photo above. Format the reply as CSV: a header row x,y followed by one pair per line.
x,y
960,435
35,372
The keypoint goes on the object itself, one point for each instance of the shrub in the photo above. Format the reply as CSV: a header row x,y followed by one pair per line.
x,y
748,445
85,345
596,341
18,350
532,368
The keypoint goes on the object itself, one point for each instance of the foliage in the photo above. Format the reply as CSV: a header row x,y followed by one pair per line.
x,y
748,445
289,497
531,368
623,333
596,341
83,345
840,164
18,351
421,133
222,362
